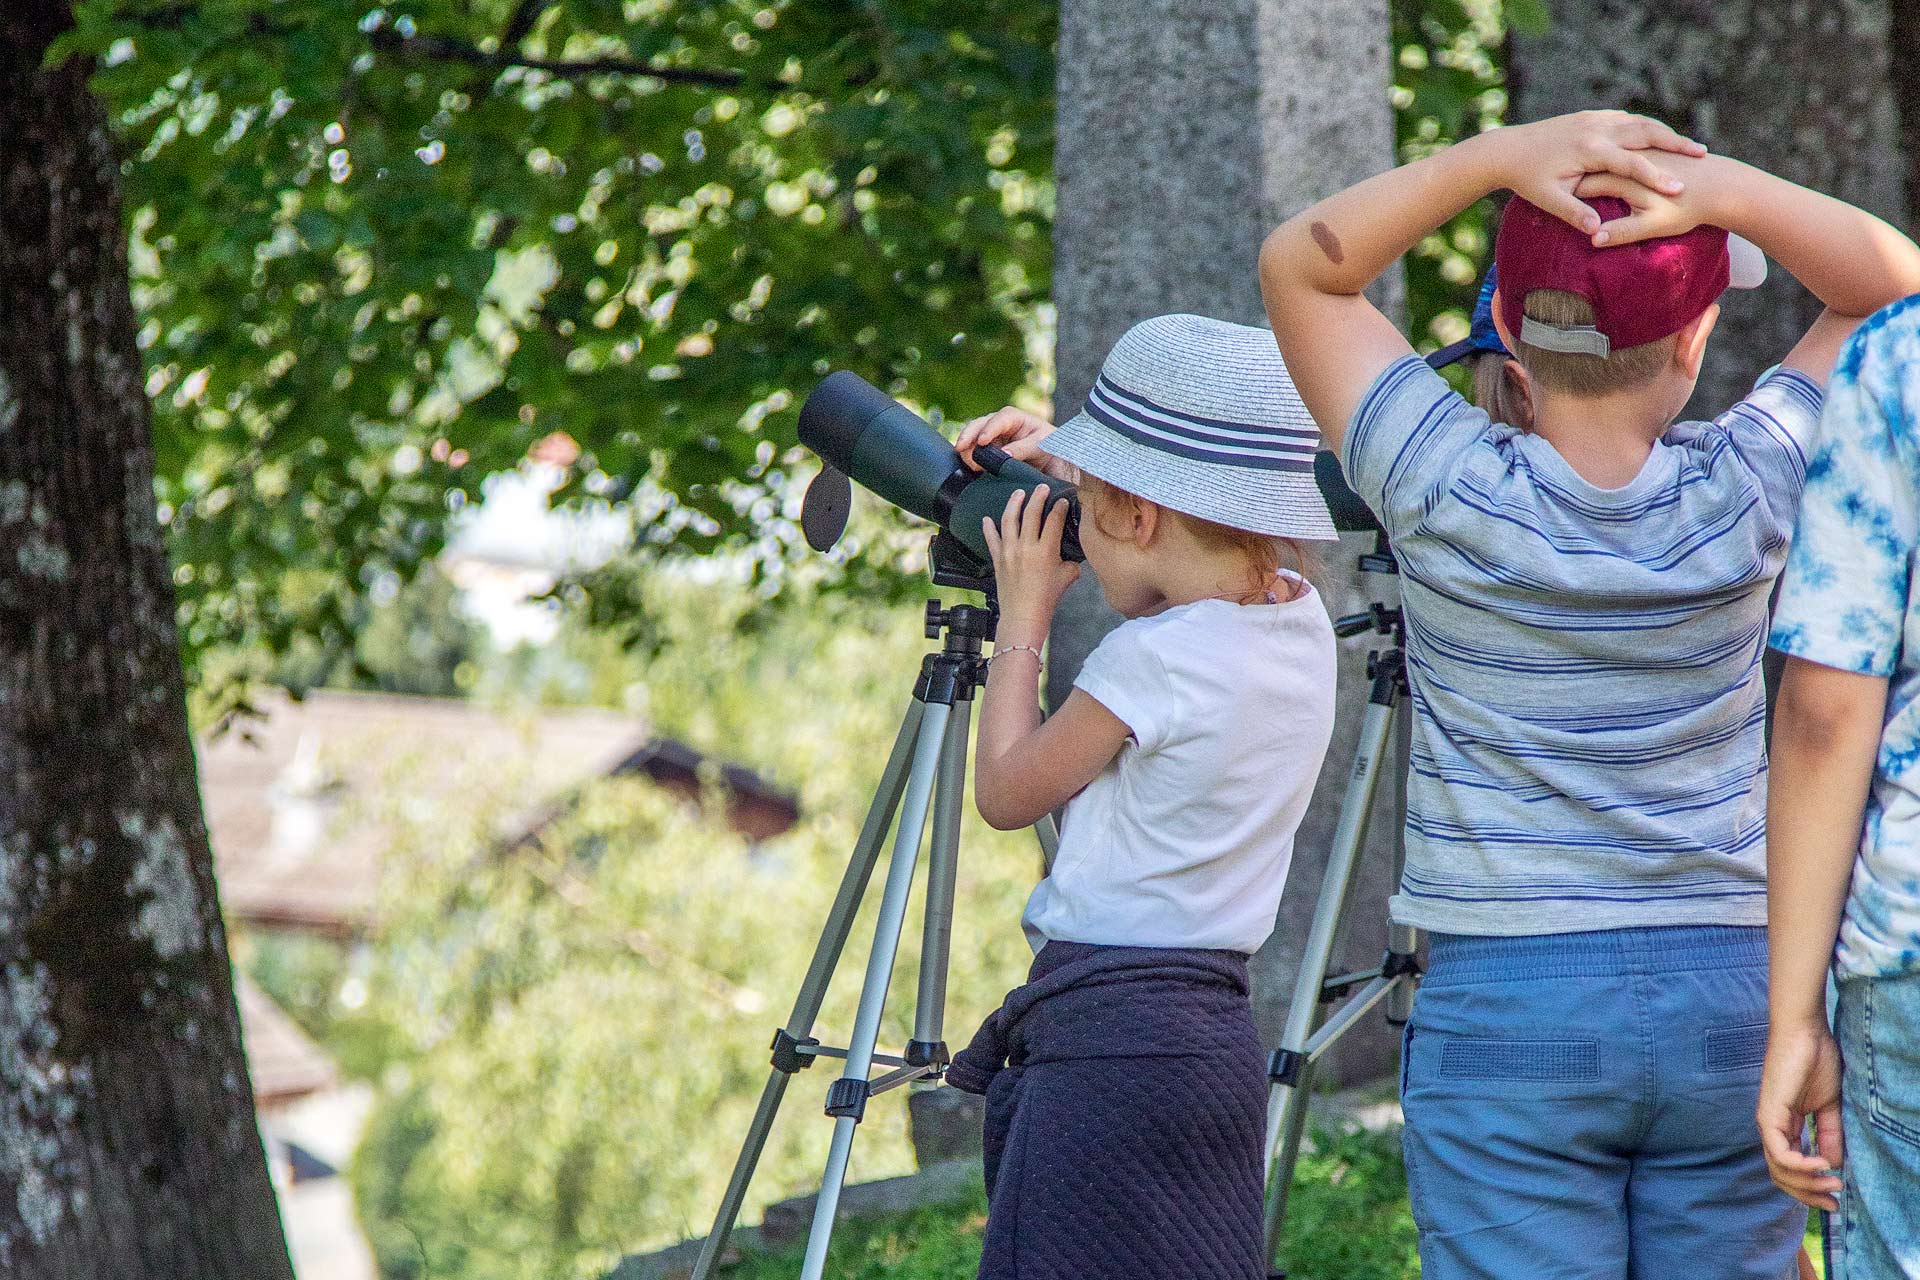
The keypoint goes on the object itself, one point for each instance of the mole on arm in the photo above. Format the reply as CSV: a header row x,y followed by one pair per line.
x,y
1329,243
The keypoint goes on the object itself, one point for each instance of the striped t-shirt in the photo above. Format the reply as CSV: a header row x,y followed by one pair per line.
x,y
1588,738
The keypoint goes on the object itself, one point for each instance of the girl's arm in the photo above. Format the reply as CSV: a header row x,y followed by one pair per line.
x,y
1025,768
1826,733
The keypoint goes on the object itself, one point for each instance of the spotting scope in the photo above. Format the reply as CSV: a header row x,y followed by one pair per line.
x,y
863,433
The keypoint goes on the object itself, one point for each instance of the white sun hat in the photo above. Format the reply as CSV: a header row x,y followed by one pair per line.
x,y
1201,416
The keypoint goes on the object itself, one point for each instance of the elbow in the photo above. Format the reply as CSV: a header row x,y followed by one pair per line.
x,y
1274,262
996,815
1818,713
989,799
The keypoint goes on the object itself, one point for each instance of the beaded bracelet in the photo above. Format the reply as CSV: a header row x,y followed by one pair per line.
x,y
1003,650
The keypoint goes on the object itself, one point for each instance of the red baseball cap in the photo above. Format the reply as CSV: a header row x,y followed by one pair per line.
x,y
1639,292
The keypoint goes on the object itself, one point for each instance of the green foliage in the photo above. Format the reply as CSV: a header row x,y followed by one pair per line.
x,y
580,1026
1448,84
379,252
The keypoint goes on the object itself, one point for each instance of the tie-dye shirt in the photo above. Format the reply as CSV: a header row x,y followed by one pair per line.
x,y
1851,600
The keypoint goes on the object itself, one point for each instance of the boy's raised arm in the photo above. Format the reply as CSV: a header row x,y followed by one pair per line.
x,y
1314,266
1852,261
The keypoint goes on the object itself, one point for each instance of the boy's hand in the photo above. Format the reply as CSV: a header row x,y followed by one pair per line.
x,y
1020,434
1545,162
1027,567
1653,213
1802,1079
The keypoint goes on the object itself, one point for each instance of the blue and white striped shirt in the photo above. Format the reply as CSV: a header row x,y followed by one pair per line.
x,y
1589,717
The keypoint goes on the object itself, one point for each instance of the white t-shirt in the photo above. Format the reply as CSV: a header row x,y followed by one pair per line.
x,y
1184,839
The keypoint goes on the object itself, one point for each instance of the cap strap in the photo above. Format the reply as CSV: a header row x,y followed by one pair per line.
x,y
1575,339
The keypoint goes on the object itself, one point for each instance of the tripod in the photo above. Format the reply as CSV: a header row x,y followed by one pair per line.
x,y
925,772
1301,1044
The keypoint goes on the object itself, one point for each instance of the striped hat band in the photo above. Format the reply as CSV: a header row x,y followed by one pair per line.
x,y
1201,416
1186,435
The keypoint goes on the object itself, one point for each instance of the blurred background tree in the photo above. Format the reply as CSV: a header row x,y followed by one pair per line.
x,y
379,251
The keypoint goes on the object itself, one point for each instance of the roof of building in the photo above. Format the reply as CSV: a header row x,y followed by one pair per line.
x,y
301,803
282,1060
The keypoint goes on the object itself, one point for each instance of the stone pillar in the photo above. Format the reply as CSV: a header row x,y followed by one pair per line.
x,y
1185,133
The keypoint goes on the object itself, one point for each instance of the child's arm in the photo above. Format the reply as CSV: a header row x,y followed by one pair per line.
x,y
1850,260
1024,768
1826,733
1314,266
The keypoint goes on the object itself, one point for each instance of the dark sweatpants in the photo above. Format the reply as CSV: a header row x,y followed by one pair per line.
x,y
1123,1133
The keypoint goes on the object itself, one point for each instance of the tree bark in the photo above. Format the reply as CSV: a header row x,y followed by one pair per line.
x,y
127,1138
1185,132
1799,87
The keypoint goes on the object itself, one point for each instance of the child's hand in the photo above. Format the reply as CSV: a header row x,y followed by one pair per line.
x,y
1801,1080
1027,567
1545,162
1020,434
1652,213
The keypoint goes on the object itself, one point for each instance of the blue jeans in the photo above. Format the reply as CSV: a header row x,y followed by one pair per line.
x,y
1877,1234
1581,1106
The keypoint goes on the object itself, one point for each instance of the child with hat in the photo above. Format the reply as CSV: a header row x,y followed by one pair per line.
x,y
1586,601
1125,1083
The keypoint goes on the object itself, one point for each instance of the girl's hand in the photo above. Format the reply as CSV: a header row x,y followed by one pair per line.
x,y
1020,434
1027,567
1801,1080
1545,162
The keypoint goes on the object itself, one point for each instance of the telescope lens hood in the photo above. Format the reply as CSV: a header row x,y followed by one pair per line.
x,y
838,413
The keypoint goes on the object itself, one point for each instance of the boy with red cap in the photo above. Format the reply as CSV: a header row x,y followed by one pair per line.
x,y
1586,603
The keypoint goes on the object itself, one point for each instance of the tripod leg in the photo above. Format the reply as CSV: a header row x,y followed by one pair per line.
x,y
943,860
1402,939
847,1100
813,988
1286,1108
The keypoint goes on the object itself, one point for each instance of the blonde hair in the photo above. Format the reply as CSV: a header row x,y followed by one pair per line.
x,y
1493,391
1265,555
1577,373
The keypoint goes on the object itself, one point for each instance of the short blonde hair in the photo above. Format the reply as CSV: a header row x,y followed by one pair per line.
x,y
1577,373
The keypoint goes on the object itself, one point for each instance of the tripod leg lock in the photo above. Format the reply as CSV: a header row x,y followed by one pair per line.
x,y
1397,964
848,1097
928,1053
789,1051
1285,1066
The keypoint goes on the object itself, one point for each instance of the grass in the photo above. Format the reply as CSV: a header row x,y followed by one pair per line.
x,y
1349,1221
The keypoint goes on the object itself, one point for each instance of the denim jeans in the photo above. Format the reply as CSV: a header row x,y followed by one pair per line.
x,y
1877,1233
1581,1106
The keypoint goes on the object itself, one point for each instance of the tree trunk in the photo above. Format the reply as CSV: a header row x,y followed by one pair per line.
x,y
127,1138
1799,87
1185,132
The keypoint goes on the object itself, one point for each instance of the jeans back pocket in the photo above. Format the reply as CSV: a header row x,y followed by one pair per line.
x,y
1892,1009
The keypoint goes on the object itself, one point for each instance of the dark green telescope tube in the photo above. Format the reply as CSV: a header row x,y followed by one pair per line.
x,y
891,450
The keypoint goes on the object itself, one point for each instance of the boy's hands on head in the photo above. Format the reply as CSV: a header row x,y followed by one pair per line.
x,y
1314,266
1020,434
1547,162
1651,214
